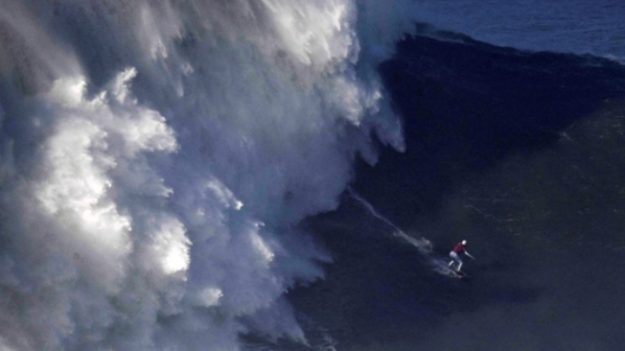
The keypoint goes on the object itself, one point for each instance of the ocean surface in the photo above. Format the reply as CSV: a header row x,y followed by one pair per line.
x,y
578,26
291,175
521,153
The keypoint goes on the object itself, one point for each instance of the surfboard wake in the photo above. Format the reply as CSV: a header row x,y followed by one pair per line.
x,y
422,244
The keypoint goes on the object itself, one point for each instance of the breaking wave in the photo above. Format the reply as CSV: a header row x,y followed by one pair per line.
x,y
155,158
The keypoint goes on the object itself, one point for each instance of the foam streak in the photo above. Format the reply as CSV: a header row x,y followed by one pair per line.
x,y
423,245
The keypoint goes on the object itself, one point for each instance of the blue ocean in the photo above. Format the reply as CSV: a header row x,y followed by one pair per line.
x,y
580,26
273,175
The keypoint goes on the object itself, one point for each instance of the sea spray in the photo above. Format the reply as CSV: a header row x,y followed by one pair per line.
x,y
165,151
423,245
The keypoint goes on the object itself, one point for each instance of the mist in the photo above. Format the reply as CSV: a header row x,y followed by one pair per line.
x,y
156,158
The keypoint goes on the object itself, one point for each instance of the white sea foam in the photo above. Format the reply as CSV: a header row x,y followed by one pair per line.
x,y
155,158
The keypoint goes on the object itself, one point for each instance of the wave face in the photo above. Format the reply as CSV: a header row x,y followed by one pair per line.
x,y
519,153
155,158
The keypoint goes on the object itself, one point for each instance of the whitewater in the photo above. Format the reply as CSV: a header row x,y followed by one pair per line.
x,y
157,156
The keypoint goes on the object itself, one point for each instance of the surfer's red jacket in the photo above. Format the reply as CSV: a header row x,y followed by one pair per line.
x,y
459,248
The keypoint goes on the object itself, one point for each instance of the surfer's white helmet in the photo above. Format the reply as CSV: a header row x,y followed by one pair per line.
x,y
464,242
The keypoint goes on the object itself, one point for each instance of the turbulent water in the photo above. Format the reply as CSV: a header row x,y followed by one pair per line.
x,y
160,163
155,157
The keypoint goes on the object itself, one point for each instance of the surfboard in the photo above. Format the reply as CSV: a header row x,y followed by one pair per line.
x,y
452,273
441,267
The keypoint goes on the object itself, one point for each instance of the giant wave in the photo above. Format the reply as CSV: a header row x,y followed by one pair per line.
x,y
156,157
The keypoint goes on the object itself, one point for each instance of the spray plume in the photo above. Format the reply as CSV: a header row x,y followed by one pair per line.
x,y
156,157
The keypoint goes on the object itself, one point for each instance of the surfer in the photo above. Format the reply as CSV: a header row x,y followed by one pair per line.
x,y
459,248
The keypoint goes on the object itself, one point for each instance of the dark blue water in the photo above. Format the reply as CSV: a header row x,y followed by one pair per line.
x,y
521,153
579,26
